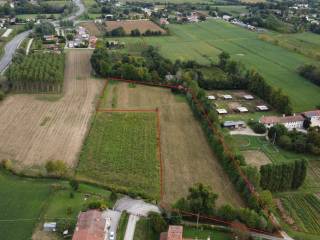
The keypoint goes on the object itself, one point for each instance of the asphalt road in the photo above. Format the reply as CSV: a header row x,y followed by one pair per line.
x,y
11,46
115,217
10,49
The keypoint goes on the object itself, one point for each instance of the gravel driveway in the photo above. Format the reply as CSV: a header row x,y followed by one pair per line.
x,y
115,217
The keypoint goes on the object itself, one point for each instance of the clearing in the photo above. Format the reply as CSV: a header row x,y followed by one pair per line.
x,y
37,128
121,152
204,41
186,155
256,158
92,28
129,25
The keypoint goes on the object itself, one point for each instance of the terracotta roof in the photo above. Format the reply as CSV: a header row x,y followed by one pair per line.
x,y
90,226
175,232
312,113
269,120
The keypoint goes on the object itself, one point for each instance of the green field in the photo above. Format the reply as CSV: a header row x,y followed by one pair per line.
x,y
121,152
204,41
234,10
21,203
305,211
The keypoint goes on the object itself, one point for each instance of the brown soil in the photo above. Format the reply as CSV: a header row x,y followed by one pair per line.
x,y
92,28
129,25
186,154
284,215
256,158
34,131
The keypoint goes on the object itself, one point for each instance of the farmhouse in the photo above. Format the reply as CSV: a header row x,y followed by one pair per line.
x,y
90,226
234,124
248,97
241,109
227,97
262,108
290,122
314,116
211,97
221,111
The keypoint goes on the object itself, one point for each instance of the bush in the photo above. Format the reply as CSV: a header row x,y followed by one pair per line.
x,y
257,127
158,224
1,95
56,168
74,184
97,205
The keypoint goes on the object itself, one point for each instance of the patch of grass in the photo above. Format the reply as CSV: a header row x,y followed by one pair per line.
x,y
122,225
121,152
194,233
144,231
21,203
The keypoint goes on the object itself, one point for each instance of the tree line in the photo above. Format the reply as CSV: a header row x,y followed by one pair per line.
x,y
284,176
120,32
37,72
310,72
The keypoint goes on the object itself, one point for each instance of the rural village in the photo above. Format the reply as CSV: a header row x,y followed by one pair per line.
x,y
160,120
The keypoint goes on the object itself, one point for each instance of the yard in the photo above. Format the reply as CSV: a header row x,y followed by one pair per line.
x,y
121,152
204,41
187,157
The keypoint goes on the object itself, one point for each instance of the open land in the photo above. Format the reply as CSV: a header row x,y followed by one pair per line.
x,y
204,41
186,155
121,152
129,25
92,27
37,128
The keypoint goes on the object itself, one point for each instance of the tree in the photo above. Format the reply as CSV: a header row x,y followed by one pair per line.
x,y
266,199
57,168
276,132
158,224
74,184
285,142
240,230
113,196
223,59
45,28
306,123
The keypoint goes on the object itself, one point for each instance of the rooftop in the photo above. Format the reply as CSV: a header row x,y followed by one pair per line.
x,y
312,113
285,119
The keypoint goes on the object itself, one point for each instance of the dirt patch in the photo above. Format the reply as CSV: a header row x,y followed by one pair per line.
x,y
35,131
92,28
129,25
233,105
186,155
256,158
284,215
41,235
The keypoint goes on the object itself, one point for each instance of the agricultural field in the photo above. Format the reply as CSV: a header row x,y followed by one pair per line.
x,y
92,28
186,155
37,128
204,41
304,209
121,152
234,10
305,43
129,25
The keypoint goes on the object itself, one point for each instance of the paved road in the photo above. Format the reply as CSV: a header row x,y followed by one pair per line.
x,y
115,217
80,10
135,208
10,49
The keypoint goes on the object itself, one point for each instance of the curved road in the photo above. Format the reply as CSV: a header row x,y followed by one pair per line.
x,y
11,46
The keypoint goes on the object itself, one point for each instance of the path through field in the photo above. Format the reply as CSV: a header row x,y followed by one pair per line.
x,y
37,128
186,154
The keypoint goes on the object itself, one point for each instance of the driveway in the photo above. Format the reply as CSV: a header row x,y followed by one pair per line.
x,y
115,217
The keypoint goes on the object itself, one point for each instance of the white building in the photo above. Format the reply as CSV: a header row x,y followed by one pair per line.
x,y
314,116
227,97
290,122
222,111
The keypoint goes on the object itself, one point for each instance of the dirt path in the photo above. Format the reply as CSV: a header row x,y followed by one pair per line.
x,y
35,129
186,154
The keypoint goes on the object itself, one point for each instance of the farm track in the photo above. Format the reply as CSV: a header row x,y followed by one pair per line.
x,y
35,131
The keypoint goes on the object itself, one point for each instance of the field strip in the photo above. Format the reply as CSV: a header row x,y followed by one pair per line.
x,y
127,110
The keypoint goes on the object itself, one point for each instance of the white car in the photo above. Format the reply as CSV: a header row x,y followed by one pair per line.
x,y
111,236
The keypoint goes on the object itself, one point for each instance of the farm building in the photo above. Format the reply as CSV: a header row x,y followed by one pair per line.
x,y
234,124
227,97
314,116
49,226
90,226
222,111
242,109
174,233
290,122
211,97
248,97
262,108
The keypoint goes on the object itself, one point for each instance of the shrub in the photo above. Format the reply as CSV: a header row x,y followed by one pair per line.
x,y
257,127
56,168
74,184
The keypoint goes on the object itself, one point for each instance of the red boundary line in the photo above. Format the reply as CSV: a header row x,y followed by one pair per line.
x,y
227,150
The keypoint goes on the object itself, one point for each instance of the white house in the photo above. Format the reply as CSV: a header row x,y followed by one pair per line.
x,y
314,116
242,109
222,111
211,97
248,97
290,122
262,108
227,97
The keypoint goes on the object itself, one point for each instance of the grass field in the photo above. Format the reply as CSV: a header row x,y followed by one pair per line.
x,y
187,157
204,41
234,10
194,233
21,203
121,152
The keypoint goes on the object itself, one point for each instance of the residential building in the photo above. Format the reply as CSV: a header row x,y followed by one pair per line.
x,y
314,116
91,225
290,122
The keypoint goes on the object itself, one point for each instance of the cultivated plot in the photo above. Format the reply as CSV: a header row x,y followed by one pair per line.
x,y
186,155
37,128
129,25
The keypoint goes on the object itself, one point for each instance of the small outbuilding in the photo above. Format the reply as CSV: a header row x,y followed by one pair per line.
x,y
211,97
222,111
248,97
242,109
234,124
227,97
49,226
262,108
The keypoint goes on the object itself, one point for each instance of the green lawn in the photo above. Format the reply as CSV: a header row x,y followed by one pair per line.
x,y
21,203
121,152
234,10
204,41
192,232
122,225
144,231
